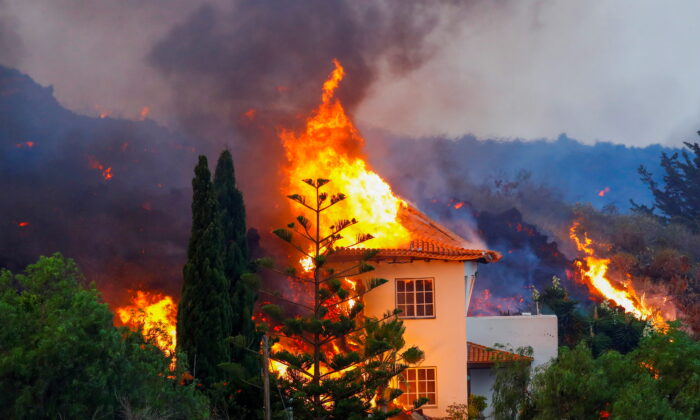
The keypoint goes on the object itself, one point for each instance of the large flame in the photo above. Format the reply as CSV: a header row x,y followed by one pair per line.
x,y
156,315
330,147
624,295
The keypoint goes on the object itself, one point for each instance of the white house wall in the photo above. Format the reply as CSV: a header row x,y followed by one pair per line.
x,y
442,338
537,331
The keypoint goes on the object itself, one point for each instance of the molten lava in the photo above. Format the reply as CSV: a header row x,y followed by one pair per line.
x,y
155,315
95,164
330,147
595,271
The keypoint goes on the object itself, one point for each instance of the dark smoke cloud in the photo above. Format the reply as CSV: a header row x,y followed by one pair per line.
x,y
206,65
10,42
270,58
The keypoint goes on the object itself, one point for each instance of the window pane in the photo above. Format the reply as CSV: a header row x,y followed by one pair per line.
x,y
429,310
409,285
420,310
429,297
409,311
411,374
422,388
431,399
421,374
419,285
428,285
400,285
419,297
401,298
431,386
431,374
410,298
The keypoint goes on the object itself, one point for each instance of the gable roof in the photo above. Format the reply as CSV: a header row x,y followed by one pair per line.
x,y
429,240
479,356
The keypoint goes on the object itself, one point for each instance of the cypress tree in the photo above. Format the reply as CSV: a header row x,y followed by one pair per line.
x,y
246,342
204,318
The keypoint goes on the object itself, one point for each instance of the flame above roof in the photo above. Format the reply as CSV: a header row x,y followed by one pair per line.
x,y
429,240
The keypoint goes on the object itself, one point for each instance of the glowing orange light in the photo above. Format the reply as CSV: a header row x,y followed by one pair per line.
x,y
596,272
22,224
144,112
156,315
459,205
250,114
604,191
28,144
95,164
330,147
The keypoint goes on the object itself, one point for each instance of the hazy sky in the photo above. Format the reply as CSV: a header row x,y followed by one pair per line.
x,y
620,71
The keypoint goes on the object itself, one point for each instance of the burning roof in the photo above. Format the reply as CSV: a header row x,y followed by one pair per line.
x,y
427,240
331,146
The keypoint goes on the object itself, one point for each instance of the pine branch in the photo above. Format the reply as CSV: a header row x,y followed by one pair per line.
x,y
285,299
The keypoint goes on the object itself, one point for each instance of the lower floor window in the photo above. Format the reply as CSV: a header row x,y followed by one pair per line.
x,y
417,383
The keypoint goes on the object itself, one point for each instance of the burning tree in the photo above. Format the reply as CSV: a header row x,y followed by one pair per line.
x,y
320,379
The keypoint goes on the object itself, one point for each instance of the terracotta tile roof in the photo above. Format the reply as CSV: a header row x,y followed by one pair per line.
x,y
482,356
429,240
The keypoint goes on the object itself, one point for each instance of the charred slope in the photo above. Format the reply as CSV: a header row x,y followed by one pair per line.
x,y
113,194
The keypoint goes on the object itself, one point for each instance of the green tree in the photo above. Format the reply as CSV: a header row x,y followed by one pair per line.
x,y
511,393
62,357
205,314
678,199
660,380
244,368
321,382
571,324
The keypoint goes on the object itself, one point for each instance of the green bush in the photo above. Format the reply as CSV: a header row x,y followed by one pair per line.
x,y
61,356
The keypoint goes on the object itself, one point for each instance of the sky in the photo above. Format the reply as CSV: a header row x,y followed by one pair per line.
x,y
618,71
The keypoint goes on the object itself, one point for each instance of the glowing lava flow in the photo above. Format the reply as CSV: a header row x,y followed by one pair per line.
x,y
596,273
330,147
155,315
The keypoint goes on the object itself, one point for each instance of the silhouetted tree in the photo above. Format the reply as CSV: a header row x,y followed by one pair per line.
x,y
205,318
244,366
678,200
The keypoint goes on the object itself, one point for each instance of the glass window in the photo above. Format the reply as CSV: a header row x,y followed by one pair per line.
x,y
414,297
417,383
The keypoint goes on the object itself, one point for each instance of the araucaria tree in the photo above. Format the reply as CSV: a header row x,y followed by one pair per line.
x,y
205,317
338,364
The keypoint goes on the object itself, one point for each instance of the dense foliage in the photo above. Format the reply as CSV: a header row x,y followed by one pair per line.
x,y
205,315
319,381
62,357
604,327
660,379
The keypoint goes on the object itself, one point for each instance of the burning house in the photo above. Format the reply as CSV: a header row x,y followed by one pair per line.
x,y
430,280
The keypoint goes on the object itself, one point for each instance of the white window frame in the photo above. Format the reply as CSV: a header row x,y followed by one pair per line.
x,y
404,380
415,304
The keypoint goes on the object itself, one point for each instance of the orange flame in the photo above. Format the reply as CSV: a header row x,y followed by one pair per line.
x,y
330,147
95,164
596,273
156,315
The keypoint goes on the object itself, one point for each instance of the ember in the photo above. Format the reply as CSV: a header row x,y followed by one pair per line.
x,y
95,164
